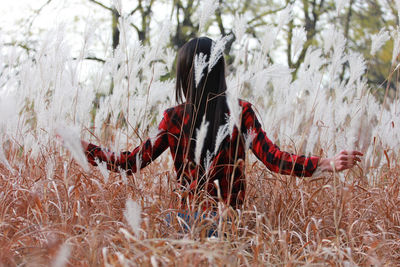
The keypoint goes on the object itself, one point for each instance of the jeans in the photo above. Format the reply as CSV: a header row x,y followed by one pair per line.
x,y
190,219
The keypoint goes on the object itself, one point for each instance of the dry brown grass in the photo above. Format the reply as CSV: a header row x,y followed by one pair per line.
x,y
285,221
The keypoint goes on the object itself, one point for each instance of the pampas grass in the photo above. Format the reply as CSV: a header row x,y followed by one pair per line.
x,y
132,215
207,9
283,222
55,208
201,134
200,63
217,50
378,40
62,256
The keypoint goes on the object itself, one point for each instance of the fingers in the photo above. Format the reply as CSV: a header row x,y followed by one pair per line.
x,y
356,153
351,152
347,159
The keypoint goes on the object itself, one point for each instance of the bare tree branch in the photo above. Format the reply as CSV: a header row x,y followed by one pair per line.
x,y
36,14
346,33
95,59
134,11
92,58
102,5
268,12
218,15
21,45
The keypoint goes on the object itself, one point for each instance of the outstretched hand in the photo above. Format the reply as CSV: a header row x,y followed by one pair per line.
x,y
342,161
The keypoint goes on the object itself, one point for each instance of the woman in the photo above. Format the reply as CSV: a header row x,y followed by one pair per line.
x,y
216,172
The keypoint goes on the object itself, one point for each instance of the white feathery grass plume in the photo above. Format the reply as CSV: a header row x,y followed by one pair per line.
x,y
104,254
50,164
398,7
103,170
153,53
312,139
285,16
378,40
30,142
88,37
396,44
119,142
241,56
223,131
313,59
62,256
329,37
153,261
124,177
9,119
101,114
159,92
122,259
217,50
299,37
353,133
163,33
3,158
357,67
138,163
235,110
84,105
126,234
200,63
207,162
200,137
132,214
249,137
153,135
72,142
277,71
338,57
340,4
259,83
207,9
169,57
269,38
118,5
239,27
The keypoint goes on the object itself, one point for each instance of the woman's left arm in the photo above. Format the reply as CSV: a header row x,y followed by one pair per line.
x,y
288,163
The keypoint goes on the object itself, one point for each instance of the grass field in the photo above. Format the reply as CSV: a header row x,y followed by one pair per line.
x,y
76,217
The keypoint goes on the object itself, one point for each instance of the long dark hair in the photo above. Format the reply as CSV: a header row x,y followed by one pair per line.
x,y
207,98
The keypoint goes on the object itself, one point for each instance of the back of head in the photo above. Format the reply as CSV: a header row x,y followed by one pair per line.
x,y
203,89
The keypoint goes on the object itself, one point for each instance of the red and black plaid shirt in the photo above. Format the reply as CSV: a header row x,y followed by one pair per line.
x,y
227,166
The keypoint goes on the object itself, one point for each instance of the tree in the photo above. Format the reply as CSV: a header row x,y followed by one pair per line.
x,y
368,18
143,7
312,11
185,28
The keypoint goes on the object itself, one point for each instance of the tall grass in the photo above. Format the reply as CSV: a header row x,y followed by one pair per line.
x,y
53,210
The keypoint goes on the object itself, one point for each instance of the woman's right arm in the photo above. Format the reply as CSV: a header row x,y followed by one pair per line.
x,y
131,161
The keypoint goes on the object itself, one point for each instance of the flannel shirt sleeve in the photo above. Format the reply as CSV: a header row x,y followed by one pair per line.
x,y
141,156
276,160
